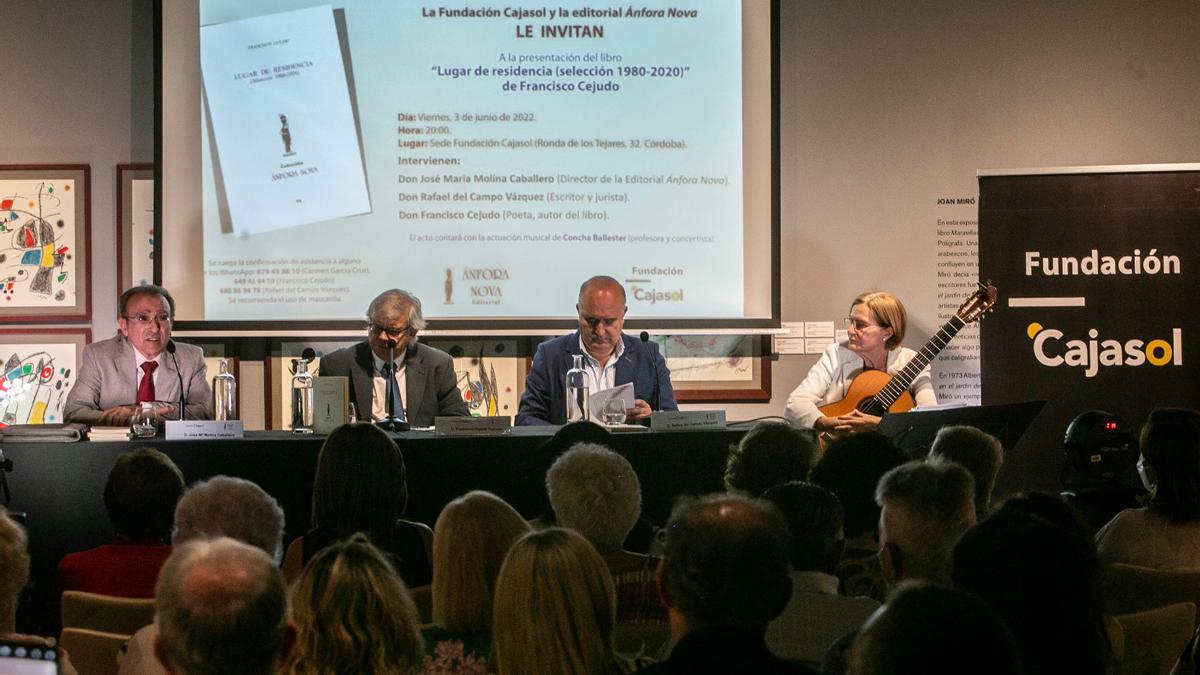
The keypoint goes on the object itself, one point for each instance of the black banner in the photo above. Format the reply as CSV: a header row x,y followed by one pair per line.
x,y
1096,273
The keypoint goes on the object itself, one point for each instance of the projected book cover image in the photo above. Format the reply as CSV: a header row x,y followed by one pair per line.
x,y
281,125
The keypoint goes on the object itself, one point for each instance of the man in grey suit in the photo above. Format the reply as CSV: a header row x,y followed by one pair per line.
x,y
117,374
423,377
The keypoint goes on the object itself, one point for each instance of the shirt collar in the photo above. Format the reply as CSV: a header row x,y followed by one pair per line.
x,y
399,362
595,363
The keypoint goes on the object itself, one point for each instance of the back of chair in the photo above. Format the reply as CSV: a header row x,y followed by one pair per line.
x,y
92,652
106,613
423,598
1154,639
1130,588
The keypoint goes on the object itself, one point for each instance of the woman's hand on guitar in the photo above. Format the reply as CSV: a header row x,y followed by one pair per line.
x,y
854,422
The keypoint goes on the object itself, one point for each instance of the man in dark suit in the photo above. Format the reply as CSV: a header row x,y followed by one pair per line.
x,y
117,374
423,378
723,578
610,358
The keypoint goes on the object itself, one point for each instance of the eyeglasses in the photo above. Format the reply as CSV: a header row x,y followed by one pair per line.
x,y
393,333
146,319
859,326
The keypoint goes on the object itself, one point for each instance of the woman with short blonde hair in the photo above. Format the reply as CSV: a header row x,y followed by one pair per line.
x,y
353,614
554,608
828,400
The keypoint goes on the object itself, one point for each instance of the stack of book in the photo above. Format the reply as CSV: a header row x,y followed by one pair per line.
x,y
108,434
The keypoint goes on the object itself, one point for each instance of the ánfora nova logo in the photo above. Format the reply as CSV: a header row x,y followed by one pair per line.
x,y
1095,353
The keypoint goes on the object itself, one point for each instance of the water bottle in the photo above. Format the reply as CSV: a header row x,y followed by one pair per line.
x,y
142,424
303,402
224,394
577,391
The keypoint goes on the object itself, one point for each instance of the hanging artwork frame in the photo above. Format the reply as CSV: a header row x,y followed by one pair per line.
x,y
136,245
40,365
45,252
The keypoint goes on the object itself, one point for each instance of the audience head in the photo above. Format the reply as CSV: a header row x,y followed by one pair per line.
x,y
851,468
360,484
769,454
814,519
224,506
933,630
353,614
1052,508
14,569
1171,462
554,607
975,450
470,540
924,509
725,563
1045,582
143,488
595,492
220,608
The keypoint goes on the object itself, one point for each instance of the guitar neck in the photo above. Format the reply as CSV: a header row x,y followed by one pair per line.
x,y
902,380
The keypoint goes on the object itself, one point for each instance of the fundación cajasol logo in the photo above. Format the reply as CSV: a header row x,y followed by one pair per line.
x,y
1094,353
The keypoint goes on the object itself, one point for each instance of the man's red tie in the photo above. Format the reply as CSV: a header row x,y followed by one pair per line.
x,y
146,388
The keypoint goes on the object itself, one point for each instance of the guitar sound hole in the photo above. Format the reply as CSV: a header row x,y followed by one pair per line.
x,y
870,406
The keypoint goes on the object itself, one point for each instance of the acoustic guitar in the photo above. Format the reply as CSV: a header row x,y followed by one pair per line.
x,y
875,392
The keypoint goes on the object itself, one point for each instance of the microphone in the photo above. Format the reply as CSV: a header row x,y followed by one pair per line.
x,y
645,337
182,391
308,354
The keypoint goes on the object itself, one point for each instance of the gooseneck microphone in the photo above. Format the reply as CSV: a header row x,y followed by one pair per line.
x,y
182,390
308,354
654,360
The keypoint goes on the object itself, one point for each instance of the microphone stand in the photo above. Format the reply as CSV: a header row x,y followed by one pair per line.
x,y
654,360
392,423
182,391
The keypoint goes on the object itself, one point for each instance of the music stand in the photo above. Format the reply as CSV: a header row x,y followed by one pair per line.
x,y
915,431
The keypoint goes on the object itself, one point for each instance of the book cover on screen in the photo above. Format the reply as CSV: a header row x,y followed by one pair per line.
x,y
285,140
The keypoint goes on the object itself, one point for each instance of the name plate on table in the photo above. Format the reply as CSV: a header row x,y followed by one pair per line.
x,y
449,425
687,420
203,429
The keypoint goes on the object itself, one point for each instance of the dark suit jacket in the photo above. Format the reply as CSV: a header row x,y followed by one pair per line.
x,y
108,377
431,387
545,397
723,650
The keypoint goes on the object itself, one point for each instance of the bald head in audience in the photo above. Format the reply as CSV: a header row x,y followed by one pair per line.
x,y
221,608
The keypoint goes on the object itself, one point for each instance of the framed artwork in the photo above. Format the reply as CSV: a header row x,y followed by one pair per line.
x,y
136,246
40,366
718,368
489,371
45,260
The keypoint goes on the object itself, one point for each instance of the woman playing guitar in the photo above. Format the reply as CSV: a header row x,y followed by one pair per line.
x,y
852,371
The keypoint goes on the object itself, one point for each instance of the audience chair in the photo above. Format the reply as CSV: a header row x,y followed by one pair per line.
x,y
423,598
1153,640
106,613
93,652
1130,588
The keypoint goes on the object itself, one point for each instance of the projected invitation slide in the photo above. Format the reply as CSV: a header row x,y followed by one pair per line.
x,y
487,156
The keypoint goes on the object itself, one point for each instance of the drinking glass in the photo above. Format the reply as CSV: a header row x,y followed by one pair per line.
x,y
614,412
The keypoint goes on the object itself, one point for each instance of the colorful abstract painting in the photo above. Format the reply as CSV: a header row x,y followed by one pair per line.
x,y
38,243
35,382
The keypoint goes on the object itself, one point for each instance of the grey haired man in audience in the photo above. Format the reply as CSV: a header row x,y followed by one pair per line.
x,y
222,506
978,452
724,576
221,609
926,508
